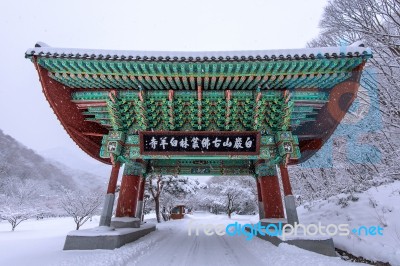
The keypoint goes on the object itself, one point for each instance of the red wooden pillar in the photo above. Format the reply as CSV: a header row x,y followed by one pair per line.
x,y
260,200
258,190
141,192
129,192
112,183
287,188
105,219
139,207
270,191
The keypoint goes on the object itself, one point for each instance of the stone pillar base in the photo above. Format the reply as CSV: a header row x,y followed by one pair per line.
x,y
139,209
291,212
106,214
318,244
125,222
104,237
261,210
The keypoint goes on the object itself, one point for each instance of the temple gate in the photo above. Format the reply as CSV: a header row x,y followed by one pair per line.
x,y
200,113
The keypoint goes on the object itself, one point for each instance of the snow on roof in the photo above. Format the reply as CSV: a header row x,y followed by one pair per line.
x,y
43,50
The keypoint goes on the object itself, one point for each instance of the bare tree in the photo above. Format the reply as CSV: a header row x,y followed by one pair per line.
x,y
80,206
15,213
155,186
17,200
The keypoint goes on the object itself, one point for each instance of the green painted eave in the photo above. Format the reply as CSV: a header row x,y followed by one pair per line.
x,y
237,75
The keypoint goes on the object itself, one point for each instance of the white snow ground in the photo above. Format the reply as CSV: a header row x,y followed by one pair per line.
x,y
41,242
378,206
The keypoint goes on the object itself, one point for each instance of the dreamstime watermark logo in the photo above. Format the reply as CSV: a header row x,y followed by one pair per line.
x,y
284,231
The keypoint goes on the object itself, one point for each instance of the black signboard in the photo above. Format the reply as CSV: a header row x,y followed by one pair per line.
x,y
194,142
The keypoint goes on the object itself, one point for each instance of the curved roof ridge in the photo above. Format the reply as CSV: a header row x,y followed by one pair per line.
x,y
43,50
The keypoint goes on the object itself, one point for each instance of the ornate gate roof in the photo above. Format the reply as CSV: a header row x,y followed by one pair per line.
x,y
301,92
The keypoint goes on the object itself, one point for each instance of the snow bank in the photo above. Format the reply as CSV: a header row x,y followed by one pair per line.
x,y
375,207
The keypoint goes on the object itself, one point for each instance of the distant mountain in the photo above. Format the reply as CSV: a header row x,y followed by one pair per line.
x,y
84,170
75,158
20,162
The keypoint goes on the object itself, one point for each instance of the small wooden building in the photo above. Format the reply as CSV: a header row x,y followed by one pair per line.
x,y
178,212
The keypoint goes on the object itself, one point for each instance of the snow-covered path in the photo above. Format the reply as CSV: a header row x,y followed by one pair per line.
x,y
176,247
40,243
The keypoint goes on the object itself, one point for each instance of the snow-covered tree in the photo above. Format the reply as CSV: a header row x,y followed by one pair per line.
x,y
375,118
81,206
230,194
377,24
18,200
15,213
207,198
168,190
155,185
234,194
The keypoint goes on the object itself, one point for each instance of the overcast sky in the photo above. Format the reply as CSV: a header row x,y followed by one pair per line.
x,y
131,25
